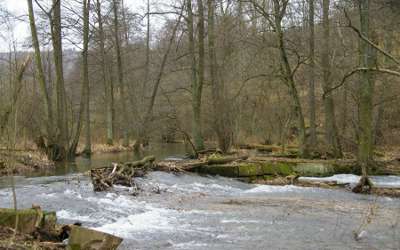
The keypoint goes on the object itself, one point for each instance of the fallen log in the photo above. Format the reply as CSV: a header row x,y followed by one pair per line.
x,y
120,174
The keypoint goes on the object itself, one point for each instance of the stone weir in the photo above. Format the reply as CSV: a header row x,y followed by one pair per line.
x,y
246,168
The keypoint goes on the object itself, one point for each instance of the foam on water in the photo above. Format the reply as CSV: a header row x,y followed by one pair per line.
x,y
153,219
238,221
274,189
72,193
68,215
189,245
380,181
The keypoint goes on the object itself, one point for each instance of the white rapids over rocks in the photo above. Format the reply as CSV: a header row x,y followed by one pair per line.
x,y
379,181
192,212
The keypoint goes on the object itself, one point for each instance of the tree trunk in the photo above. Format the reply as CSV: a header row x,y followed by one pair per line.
x,y
106,79
195,77
147,62
120,74
62,121
41,76
84,115
365,144
311,94
198,138
85,69
331,135
279,12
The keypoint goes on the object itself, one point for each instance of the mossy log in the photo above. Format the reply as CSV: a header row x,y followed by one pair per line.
x,y
120,174
85,239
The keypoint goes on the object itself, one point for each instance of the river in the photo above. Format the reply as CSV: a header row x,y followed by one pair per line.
x,y
187,211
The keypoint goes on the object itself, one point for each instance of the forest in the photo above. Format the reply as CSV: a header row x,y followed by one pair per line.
x,y
237,83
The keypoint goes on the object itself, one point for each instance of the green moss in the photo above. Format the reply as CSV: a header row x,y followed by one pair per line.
x,y
344,168
268,169
249,170
277,168
284,168
222,170
268,177
314,169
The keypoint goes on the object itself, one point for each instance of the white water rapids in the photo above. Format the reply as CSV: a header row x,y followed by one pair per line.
x,y
193,212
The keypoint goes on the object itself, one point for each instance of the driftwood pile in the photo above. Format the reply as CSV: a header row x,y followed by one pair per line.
x,y
120,174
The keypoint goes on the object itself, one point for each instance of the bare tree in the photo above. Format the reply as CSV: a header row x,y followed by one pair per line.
x,y
120,74
197,73
367,60
331,134
313,130
109,93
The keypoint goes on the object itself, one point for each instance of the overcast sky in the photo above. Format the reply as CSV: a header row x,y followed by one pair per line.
x,y
21,29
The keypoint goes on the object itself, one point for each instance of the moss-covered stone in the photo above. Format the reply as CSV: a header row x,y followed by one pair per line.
x,y
268,177
28,219
284,168
341,168
314,169
250,169
222,170
268,168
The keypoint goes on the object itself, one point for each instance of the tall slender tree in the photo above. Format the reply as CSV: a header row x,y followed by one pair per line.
x,y
84,111
62,121
366,90
195,74
331,134
311,88
120,74
41,76
109,93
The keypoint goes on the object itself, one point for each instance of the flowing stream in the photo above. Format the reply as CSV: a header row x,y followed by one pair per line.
x,y
188,211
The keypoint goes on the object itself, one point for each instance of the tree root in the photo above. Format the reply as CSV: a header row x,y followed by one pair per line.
x,y
364,186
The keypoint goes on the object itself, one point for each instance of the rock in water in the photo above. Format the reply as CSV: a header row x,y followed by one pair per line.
x,y
88,239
